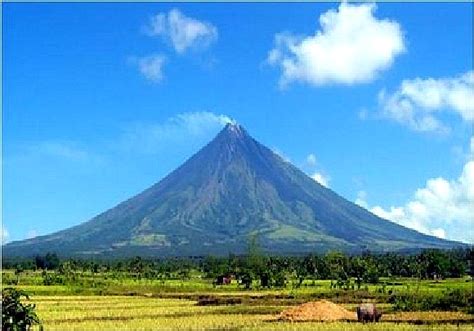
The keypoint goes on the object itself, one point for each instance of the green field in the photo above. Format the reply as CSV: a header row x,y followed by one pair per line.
x,y
103,302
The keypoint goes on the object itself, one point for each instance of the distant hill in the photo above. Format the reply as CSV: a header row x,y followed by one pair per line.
x,y
232,188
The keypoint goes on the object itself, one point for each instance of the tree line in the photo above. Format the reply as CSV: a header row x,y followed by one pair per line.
x,y
344,270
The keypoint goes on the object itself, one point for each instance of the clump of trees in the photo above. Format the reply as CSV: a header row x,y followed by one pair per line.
x,y
345,271
256,269
16,315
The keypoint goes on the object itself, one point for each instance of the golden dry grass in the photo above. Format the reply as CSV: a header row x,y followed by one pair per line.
x,y
141,313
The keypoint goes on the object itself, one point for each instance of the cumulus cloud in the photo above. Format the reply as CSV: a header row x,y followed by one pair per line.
x,y
418,102
150,138
321,179
440,233
314,171
352,46
471,148
151,66
444,208
361,199
182,31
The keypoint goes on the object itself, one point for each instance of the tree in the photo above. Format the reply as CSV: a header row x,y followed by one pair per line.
x,y
213,267
371,274
40,262
302,269
359,267
372,271
277,270
67,269
18,270
338,268
255,257
136,267
458,263
434,264
17,316
51,261
246,279
254,266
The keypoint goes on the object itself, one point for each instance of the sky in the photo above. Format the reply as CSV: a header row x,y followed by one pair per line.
x,y
373,100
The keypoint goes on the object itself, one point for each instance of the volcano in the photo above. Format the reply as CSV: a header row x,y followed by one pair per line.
x,y
231,189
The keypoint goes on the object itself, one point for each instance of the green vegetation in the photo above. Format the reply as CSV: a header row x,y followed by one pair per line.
x,y
432,287
17,316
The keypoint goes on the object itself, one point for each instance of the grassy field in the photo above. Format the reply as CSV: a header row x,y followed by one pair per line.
x,y
139,313
103,283
101,302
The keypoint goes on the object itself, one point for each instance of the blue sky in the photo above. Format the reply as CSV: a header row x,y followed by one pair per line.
x,y
100,101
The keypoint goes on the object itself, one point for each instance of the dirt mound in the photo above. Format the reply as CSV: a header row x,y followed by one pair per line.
x,y
322,310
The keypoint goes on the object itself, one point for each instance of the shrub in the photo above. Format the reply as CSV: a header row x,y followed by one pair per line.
x,y
449,300
17,316
51,278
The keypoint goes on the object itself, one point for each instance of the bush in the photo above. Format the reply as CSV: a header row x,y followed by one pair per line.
x,y
17,316
456,299
51,278
450,300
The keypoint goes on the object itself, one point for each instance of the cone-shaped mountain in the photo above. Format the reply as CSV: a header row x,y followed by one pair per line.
x,y
232,188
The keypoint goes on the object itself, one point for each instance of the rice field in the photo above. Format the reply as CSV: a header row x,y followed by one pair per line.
x,y
142,313
100,302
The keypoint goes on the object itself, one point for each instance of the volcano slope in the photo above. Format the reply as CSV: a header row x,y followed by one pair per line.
x,y
231,189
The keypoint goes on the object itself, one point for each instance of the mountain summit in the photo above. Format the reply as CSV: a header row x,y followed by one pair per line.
x,y
232,188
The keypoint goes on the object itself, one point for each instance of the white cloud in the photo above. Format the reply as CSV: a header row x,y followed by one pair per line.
x,y
471,148
351,47
418,102
440,233
361,199
311,160
321,179
150,138
462,154
4,235
444,208
182,31
314,171
151,67
395,213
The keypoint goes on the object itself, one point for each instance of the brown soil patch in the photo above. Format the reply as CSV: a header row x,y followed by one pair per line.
x,y
322,310
206,300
